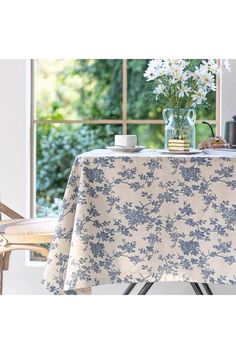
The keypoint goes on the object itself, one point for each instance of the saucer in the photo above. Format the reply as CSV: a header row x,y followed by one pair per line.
x,y
190,152
125,148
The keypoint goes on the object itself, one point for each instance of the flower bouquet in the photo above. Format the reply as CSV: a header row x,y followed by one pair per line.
x,y
182,86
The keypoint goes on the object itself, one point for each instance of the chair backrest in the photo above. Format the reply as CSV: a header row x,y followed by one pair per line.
x,y
9,212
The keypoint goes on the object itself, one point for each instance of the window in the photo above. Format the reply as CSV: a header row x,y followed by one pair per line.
x,y
80,105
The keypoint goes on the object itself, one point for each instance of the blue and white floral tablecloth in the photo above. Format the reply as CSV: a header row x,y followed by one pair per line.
x,y
145,217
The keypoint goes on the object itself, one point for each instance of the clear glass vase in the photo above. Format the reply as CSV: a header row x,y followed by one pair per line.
x,y
180,124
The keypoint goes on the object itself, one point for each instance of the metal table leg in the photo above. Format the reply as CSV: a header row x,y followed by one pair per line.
x,y
196,288
207,289
129,289
145,289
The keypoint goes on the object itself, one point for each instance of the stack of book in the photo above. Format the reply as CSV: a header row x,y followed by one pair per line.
x,y
178,145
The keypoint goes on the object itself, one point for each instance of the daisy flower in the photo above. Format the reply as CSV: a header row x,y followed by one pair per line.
x,y
184,91
199,96
182,63
158,90
206,78
152,71
211,65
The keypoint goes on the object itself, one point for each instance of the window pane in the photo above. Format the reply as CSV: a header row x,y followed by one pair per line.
x,y
149,135
141,103
202,132
78,89
208,113
57,147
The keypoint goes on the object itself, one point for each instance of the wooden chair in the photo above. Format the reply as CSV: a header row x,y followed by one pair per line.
x,y
22,234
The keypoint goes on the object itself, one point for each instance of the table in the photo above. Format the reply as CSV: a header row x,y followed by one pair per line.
x,y
145,217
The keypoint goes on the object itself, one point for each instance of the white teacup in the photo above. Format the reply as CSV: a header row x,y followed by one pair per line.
x,y
126,140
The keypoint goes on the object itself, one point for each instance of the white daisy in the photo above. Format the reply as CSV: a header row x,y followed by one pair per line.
x,y
176,69
158,90
199,96
178,73
211,65
196,74
152,71
182,63
184,91
206,78
165,69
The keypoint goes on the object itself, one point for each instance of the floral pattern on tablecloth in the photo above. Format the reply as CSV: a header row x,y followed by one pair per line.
x,y
145,217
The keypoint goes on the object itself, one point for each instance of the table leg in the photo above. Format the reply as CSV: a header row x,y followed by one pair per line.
x,y
148,286
145,289
129,289
196,288
207,289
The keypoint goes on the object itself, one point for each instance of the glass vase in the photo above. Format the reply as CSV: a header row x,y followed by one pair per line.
x,y
180,124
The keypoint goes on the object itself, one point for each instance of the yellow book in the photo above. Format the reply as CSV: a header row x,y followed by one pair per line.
x,y
178,148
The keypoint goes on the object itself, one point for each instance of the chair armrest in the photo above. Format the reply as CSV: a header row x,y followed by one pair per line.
x,y
20,247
